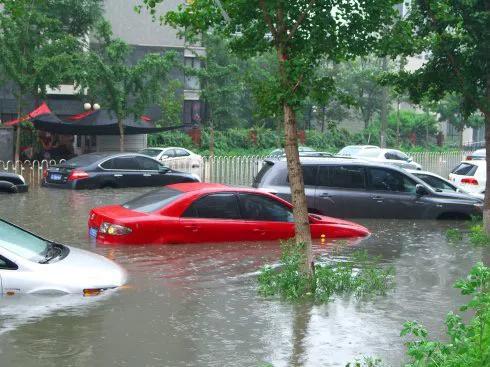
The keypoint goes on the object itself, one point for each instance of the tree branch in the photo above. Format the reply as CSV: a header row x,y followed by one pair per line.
x,y
457,70
300,20
268,21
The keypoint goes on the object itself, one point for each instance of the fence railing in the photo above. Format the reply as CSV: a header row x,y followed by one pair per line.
x,y
31,170
439,162
234,170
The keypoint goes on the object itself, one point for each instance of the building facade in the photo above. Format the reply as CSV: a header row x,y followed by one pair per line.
x,y
144,36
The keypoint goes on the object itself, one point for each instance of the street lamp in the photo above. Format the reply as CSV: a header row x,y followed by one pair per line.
x,y
87,106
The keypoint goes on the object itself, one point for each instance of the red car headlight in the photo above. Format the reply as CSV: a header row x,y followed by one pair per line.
x,y
114,229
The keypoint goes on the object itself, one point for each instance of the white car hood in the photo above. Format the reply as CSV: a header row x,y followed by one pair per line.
x,y
84,269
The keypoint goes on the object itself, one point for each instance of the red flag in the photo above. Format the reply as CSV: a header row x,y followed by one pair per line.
x,y
43,109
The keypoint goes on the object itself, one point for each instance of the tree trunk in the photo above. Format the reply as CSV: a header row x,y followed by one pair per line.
x,y
211,139
398,140
383,115
296,183
17,129
121,135
486,206
323,118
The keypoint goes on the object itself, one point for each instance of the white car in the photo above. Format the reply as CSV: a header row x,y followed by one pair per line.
x,y
439,183
377,154
34,265
470,175
187,157
477,155
180,159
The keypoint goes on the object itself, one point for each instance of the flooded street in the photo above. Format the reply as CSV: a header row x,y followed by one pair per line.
x,y
197,305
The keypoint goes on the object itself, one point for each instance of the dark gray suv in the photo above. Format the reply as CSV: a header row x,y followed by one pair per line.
x,y
358,189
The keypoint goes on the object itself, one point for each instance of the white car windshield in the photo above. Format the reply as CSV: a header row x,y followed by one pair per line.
x,y
22,243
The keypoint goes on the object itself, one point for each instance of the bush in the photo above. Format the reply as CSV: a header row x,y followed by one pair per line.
x,y
362,277
469,343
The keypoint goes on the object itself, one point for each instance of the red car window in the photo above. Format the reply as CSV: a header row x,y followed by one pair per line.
x,y
262,208
153,201
218,206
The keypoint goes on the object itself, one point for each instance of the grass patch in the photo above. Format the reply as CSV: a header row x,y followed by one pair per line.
x,y
477,235
362,276
454,235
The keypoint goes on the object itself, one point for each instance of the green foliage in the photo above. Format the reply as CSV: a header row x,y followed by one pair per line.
x,y
362,276
171,103
408,123
454,235
366,362
477,235
455,38
469,343
41,42
123,88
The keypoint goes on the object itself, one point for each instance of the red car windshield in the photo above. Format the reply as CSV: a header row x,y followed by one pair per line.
x,y
154,200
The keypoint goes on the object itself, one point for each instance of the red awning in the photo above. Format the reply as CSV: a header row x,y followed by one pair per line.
x,y
41,110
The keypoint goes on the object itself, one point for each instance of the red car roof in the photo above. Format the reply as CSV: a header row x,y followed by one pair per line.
x,y
194,186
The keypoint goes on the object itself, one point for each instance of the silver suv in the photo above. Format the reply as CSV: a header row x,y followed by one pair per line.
x,y
351,188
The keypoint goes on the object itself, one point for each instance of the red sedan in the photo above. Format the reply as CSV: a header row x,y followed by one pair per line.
x,y
200,213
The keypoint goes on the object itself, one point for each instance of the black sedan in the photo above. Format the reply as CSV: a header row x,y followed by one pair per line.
x,y
100,170
12,183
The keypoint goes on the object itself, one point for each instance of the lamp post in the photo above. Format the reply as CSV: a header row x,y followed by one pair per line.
x,y
88,106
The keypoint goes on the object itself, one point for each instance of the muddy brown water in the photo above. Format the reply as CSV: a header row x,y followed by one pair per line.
x,y
197,305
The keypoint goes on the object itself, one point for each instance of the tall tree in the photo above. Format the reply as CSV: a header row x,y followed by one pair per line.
x,y
301,33
450,110
40,42
455,37
123,88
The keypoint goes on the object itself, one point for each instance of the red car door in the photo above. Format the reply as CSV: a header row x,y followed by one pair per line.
x,y
266,218
213,218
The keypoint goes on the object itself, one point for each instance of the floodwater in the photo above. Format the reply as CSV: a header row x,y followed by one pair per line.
x,y
197,305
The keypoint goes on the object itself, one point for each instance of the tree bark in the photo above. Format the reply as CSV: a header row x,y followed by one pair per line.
x,y
121,135
211,139
383,116
296,183
486,205
17,129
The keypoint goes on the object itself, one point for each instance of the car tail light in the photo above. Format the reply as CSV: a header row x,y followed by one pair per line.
x,y
469,181
92,292
114,229
77,175
469,158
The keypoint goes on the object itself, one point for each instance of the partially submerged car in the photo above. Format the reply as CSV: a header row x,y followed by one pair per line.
x,y
351,188
114,170
12,183
440,184
32,264
204,213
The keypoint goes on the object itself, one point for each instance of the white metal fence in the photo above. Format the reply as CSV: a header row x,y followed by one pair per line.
x,y
439,162
236,170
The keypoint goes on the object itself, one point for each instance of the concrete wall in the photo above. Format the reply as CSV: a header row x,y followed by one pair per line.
x,y
138,29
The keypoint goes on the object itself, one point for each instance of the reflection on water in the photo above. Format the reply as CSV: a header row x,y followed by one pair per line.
x,y
197,305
